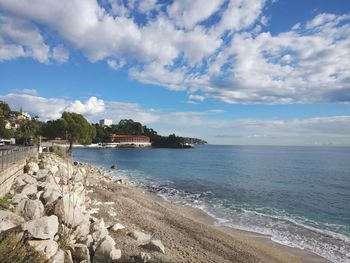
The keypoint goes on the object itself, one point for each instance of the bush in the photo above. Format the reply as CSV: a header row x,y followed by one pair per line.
x,y
14,250
60,151
5,202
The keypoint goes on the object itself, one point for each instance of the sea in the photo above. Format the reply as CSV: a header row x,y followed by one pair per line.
x,y
298,196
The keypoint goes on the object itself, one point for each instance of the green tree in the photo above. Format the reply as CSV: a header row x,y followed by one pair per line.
x,y
72,126
4,109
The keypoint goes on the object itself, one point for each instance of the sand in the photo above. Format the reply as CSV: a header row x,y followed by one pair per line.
x,y
189,235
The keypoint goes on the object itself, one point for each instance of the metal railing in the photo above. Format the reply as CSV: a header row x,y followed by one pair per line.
x,y
11,155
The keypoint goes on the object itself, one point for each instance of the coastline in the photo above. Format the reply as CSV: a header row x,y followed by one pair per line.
x,y
146,210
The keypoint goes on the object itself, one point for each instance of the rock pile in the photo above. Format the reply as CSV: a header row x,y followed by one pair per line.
x,y
52,210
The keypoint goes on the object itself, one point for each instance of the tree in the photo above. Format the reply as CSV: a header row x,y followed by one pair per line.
x,y
4,109
72,126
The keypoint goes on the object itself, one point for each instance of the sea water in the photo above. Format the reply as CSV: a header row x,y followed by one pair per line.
x,y
299,196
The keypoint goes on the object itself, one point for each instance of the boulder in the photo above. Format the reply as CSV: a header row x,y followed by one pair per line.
x,y
58,257
27,179
43,228
48,247
19,184
50,195
69,210
17,198
106,252
99,230
9,220
53,169
156,245
41,174
30,209
140,236
117,227
32,168
29,189
80,252
82,230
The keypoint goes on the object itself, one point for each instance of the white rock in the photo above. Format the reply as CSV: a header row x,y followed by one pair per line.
x,y
30,209
9,220
140,236
53,169
48,247
112,213
29,189
106,251
99,230
156,245
117,227
43,228
27,179
69,210
50,195
18,198
19,184
32,168
58,257
82,230
41,174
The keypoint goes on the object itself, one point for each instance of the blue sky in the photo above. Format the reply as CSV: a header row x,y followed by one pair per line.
x,y
228,71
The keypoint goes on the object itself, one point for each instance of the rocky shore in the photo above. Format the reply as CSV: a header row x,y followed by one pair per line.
x,y
71,212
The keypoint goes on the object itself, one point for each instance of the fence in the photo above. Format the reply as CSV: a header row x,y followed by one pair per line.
x,y
13,155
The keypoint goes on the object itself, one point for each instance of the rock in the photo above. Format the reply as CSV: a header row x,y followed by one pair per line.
x,y
43,228
53,169
82,230
9,220
19,184
145,257
156,245
69,210
48,247
117,227
50,195
68,257
27,179
16,199
140,236
58,257
106,251
113,167
29,189
51,180
80,252
32,168
99,230
30,209
112,213
41,174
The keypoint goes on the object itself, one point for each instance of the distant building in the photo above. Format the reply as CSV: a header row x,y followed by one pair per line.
x,y
106,123
117,140
23,115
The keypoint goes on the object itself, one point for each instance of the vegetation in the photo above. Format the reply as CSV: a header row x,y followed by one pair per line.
x,y
76,129
5,202
60,151
129,127
13,249
72,126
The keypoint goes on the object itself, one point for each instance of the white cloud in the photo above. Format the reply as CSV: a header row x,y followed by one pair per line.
x,y
45,108
18,38
114,64
173,48
60,54
92,106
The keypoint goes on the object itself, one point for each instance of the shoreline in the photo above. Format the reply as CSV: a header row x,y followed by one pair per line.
x,y
266,247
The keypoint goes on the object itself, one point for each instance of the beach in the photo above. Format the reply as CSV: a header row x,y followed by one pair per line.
x,y
189,235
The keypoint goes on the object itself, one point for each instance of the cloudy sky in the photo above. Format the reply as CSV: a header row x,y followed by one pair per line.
x,y
228,71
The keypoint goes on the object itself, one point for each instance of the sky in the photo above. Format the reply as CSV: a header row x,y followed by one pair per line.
x,y
255,72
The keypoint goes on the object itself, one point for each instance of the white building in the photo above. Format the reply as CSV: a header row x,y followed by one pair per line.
x,y
24,116
106,122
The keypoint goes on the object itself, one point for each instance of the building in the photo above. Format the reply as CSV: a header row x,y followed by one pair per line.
x,y
117,140
106,123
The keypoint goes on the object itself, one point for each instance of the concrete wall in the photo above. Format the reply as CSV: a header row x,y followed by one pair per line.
x,y
8,176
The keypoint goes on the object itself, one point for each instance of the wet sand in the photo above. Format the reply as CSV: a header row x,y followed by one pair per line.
x,y
189,235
